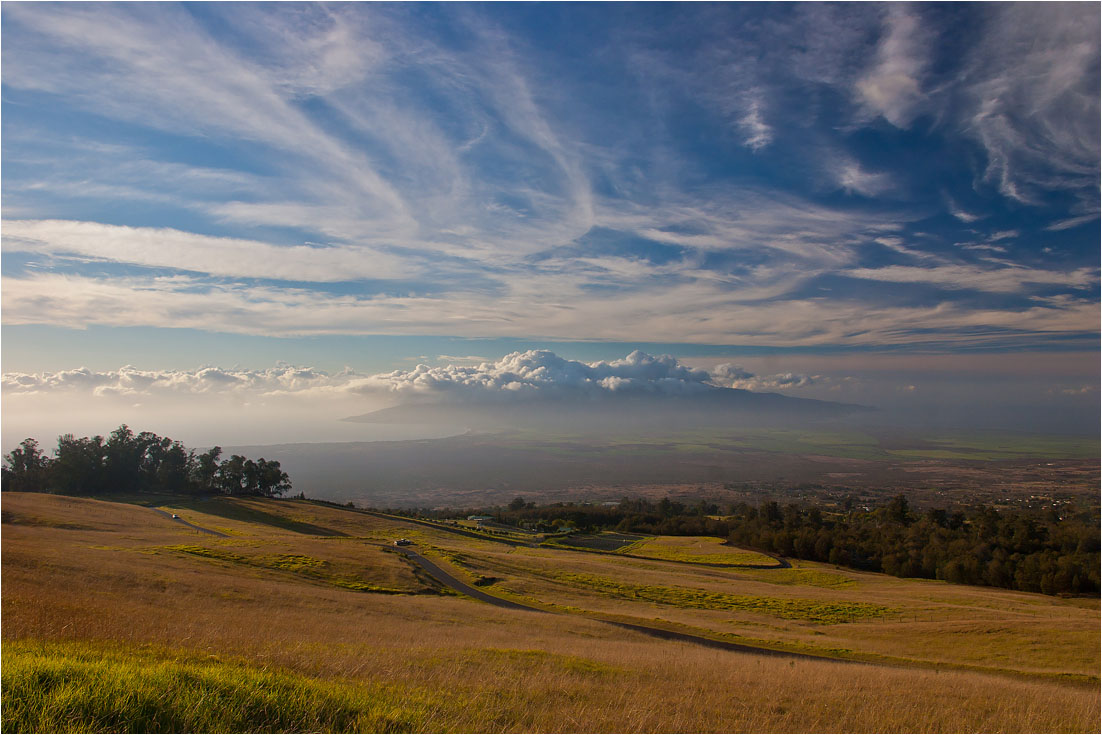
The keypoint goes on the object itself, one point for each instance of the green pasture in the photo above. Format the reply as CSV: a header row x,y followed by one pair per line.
x,y
85,687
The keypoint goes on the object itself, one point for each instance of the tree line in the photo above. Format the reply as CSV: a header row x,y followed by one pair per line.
x,y
1028,551
1015,549
126,462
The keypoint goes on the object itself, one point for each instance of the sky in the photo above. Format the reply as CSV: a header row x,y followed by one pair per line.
x,y
234,221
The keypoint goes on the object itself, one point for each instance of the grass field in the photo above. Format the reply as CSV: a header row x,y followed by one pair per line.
x,y
118,619
699,550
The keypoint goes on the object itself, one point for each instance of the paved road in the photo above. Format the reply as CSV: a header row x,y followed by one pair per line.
x,y
189,525
463,588
446,579
449,581
452,529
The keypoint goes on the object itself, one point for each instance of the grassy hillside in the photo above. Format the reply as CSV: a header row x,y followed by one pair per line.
x,y
300,617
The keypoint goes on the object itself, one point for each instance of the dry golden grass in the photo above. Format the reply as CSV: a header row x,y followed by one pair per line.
x,y
698,549
930,623
110,582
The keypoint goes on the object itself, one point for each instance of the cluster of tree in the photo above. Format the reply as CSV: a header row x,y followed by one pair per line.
x,y
1023,550
665,517
1013,549
137,463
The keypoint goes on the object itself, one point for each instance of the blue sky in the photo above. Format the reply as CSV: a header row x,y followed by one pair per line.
x,y
374,185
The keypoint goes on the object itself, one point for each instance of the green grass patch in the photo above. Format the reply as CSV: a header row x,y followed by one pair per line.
x,y
304,566
801,578
665,550
76,687
998,445
233,510
607,542
816,611
971,454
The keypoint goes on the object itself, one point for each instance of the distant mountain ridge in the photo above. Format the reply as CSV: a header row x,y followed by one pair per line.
x,y
715,407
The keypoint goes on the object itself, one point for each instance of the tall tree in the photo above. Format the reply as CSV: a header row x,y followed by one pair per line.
x,y
79,464
204,477
25,468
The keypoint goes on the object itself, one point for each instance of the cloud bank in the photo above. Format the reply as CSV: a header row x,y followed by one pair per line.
x,y
516,376
129,381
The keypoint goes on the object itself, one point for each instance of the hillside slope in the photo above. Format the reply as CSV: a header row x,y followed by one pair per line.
x,y
113,597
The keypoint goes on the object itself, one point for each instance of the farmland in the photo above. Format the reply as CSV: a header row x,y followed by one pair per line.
x,y
294,596
1001,469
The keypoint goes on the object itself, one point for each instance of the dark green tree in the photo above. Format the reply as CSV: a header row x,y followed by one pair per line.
x,y
79,465
25,468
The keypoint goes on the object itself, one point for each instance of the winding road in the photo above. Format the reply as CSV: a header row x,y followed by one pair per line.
x,y
173,517
448,580
782,563
463,588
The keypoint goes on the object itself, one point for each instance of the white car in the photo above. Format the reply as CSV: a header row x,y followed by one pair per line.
x,y
175,517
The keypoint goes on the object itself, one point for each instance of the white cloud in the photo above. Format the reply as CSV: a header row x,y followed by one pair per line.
x,y
131,381
1030,90
856,180
758,133
554,308
542,373
999,280
530,374
398,179
429,193
1067,224
982,246
962,215
796,232
893,88
218,256
733,376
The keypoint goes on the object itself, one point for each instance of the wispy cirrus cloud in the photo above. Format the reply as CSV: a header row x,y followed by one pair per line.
x,y
856,180
1006,279
187,251
1031,90
553,308
684,186
757,131
893,86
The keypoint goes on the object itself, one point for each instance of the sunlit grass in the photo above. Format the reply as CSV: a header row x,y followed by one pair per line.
x,y
94,604
697,550
816,611
315,569
67,687
799,577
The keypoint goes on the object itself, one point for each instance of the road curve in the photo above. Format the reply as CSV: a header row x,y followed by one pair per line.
x,y
446,579
449,581
782,563
449,529
189,525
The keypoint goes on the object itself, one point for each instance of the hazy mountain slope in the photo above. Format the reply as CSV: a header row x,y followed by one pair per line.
x,y
716,407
